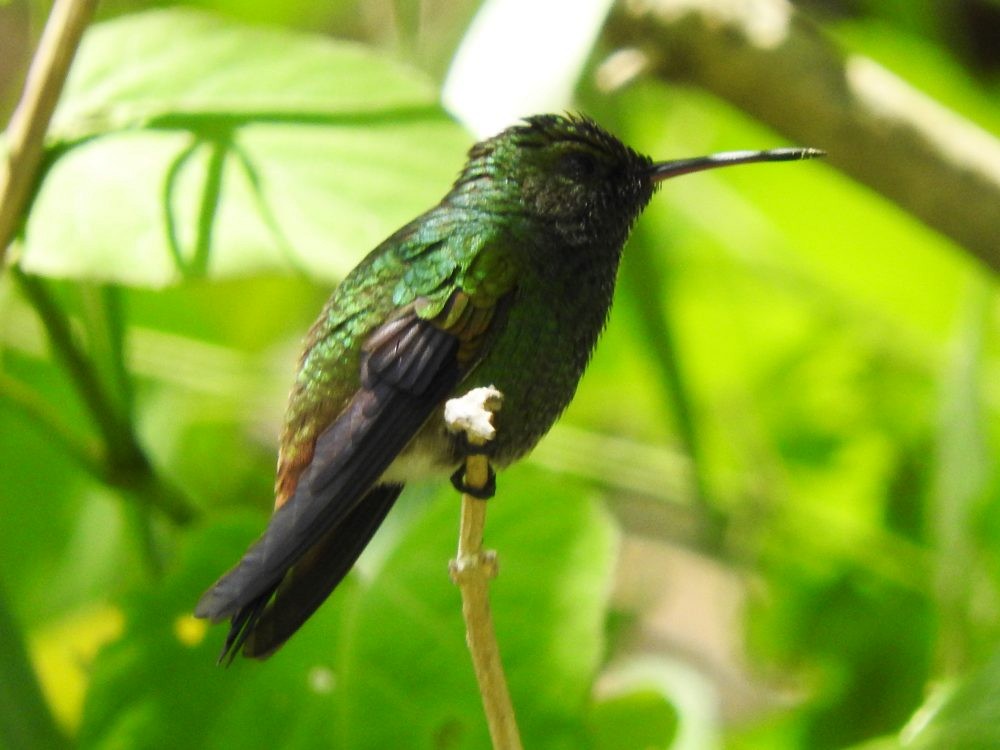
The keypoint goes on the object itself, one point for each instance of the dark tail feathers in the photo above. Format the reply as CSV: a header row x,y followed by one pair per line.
x,y
258,627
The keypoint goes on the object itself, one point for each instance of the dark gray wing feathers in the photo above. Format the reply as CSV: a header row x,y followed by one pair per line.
x,y
408,367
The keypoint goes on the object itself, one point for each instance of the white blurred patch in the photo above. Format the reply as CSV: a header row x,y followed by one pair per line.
x,y
321,680
764,22
519,58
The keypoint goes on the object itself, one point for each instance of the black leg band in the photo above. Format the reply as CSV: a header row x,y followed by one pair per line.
x,y
480,493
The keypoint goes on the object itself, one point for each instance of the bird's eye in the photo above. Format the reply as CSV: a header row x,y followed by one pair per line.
x,y
579,166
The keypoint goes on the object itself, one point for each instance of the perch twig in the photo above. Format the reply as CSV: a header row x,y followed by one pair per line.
x,y
473,567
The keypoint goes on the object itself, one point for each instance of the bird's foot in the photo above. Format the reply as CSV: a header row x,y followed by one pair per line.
x,y
485,492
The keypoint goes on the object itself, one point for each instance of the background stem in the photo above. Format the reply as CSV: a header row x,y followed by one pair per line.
x,y
125,464
26,130
935,164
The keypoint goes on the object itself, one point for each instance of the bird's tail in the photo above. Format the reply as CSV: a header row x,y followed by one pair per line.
x,y
260,626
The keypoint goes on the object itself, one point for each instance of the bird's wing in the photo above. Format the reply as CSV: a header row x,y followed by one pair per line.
x,y
413,367
408,367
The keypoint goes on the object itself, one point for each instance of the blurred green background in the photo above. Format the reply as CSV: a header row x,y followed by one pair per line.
x,y
770,518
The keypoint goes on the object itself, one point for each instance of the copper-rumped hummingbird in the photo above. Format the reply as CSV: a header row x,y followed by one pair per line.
x,y
507,282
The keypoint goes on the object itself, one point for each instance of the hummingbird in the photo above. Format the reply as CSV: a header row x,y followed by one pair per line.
x,y
508,281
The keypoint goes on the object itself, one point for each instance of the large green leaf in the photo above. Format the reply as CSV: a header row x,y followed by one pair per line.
x,y
187,145
384,662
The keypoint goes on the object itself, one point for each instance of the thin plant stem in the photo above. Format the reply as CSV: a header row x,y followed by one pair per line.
x,y
472,570
125,463
36,409
76,363
27,127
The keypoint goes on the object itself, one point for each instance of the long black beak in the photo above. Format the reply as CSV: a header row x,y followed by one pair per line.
x,y
666,169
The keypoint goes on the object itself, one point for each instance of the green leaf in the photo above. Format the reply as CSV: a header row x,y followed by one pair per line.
x,y
25,721
642,719
962,481
966,717
637,713
51,512
548,602
384,662
195,158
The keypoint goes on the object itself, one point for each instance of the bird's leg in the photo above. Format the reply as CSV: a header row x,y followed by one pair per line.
x,y
465,448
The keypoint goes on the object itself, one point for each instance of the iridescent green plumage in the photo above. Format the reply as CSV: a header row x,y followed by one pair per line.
x,y
507,282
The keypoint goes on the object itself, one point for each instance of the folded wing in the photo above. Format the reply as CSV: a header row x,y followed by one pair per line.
x,y
408,367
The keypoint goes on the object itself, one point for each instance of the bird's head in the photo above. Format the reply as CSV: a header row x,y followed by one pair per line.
x,y
575,178
567,172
